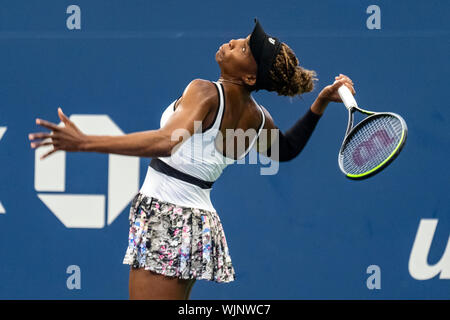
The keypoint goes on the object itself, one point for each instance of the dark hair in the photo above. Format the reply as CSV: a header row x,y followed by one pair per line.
x,y
287,77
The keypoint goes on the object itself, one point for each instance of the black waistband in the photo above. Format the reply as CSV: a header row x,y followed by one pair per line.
x,y
163,167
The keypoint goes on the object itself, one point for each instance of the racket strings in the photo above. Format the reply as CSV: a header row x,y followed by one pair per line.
x,y
370,144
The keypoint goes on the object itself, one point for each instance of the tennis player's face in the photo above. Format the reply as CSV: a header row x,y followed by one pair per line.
x,y
235,58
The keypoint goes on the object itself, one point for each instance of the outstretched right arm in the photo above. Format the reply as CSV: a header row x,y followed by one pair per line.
x,y
198,98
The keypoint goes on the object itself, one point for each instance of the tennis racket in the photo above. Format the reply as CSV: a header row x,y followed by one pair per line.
x,y
373,143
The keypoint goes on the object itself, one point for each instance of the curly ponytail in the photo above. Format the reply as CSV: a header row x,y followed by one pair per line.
x,y
288,78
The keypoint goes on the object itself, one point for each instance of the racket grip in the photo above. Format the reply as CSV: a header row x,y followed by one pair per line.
x,y
347,97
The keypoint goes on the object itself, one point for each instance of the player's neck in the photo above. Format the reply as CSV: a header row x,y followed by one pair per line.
x,y
235,85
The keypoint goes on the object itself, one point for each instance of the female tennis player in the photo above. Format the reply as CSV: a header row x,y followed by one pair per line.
x,y
175,233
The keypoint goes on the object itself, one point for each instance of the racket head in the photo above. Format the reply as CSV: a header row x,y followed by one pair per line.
x,y
372,145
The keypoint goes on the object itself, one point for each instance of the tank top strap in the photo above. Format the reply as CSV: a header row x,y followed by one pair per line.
x,y
219,117
263,121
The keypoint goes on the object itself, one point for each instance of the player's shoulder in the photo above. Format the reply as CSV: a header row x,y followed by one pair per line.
x,y
201,83
201,86
203,92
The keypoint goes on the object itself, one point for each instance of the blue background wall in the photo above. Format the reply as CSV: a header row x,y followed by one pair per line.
x,y
305,233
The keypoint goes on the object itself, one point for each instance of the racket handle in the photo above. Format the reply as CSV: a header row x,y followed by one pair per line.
x,y
347,97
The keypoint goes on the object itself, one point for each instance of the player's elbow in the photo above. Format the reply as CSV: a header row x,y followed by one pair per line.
x,y
284,156
168,142
158,145
287,157
284,149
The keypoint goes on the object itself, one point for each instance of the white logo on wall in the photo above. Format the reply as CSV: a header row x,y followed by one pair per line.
x,y
418,266
87,210
2,132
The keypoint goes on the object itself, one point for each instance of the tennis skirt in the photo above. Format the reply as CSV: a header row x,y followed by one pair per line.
x,y
176,241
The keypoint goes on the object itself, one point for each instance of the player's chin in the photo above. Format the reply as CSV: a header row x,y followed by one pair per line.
x,y
218,57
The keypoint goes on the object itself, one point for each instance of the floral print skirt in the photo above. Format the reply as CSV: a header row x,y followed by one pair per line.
x,y
176,241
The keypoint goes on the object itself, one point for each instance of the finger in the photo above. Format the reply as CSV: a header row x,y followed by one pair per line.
x,y
343,76
35,145
48,153
352,90
337,84
39,135
348,79
349,84
63,117
345,80
47,124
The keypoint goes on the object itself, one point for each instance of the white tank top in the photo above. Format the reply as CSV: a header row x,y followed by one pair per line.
x,y
196,156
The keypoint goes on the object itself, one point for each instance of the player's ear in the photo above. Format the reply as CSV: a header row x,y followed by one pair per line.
x,y
250,79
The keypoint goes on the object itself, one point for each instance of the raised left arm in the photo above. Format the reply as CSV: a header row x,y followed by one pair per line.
x,y
286,146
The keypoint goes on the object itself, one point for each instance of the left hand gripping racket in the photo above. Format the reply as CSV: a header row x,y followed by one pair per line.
x,y
373,143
